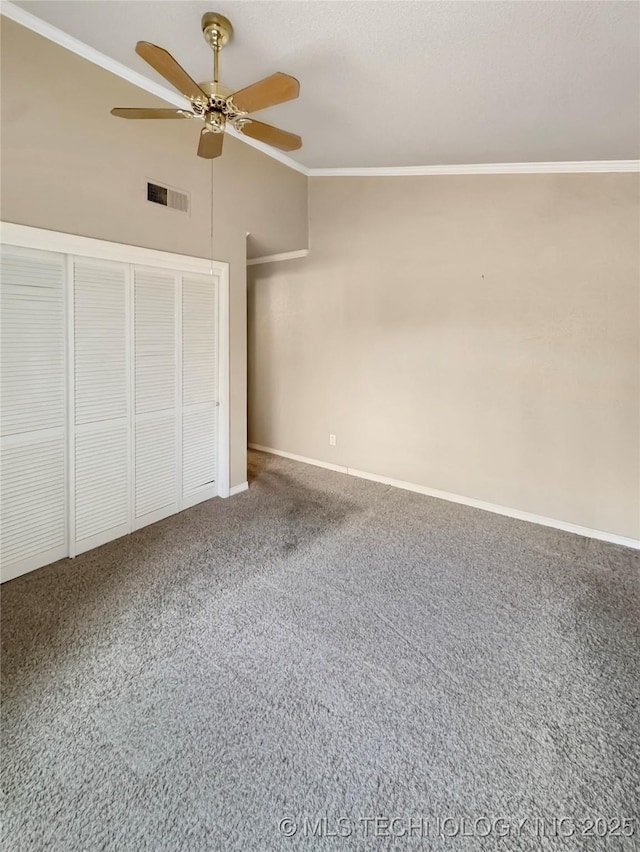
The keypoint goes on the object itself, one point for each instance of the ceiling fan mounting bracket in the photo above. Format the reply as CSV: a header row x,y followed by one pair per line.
x,y
216,29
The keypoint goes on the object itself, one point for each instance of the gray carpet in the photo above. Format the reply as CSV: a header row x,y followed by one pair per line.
x,y
332,651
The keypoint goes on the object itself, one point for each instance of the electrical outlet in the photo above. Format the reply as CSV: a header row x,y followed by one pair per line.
x,y
332,440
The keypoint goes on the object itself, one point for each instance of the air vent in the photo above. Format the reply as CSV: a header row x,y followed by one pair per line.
x,y
168,196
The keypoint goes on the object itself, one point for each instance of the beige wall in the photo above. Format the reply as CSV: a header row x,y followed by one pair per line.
x,y
68,165
473,334
478,335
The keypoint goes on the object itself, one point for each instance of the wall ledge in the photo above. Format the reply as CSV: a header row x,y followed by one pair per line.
x,y
275,258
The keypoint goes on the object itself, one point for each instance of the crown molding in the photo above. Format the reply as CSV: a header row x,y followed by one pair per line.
x,y
58,36
37,25
587,166
270,152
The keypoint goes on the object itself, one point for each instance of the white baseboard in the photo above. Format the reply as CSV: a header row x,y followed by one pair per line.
x,y
338,468
238,489
587,532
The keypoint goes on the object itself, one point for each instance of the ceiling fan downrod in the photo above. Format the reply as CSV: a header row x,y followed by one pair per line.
x,y
217,31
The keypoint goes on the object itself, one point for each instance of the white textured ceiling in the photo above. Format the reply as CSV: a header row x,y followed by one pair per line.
x,y
407,83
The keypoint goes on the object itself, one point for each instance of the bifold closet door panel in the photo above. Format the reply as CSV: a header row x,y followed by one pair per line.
x,y
33,409
199,387
33,340
156,389
102,464
156,479
34,518
102,482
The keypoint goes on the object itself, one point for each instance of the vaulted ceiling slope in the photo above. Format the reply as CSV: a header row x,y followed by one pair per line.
x,y
407,83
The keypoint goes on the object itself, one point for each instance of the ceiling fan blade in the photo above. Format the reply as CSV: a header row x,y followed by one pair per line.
x,y
272,135
273,90
210,144
130,112
166,65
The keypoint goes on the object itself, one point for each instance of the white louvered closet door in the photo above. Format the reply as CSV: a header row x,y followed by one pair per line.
x,y
33,435
102,402
156,386
199,387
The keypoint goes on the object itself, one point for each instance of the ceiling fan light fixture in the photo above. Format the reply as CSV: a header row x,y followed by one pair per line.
x,y
214,122
214,103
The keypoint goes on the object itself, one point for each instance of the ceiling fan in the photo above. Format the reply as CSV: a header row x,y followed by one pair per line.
x,y
214,103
